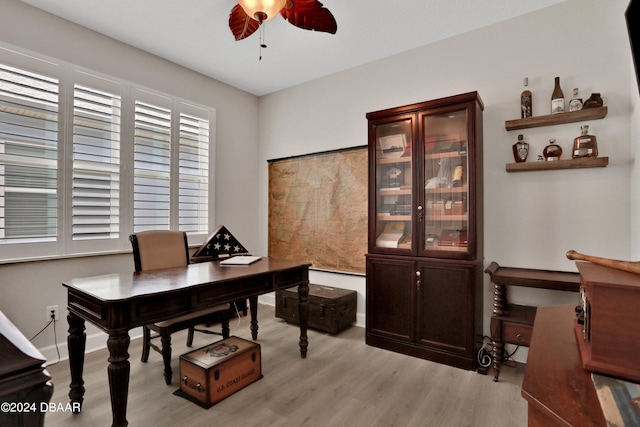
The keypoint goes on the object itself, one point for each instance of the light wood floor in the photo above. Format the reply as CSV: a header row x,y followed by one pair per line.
x,y
342,382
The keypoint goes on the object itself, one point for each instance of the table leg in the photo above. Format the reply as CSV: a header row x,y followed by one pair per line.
x,y
303,313
253,308
118,372
76,341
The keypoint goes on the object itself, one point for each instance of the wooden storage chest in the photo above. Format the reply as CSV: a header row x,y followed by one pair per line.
x,y
330,309
214,372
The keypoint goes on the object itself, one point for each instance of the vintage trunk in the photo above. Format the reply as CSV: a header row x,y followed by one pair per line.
x,y
214,372
330,309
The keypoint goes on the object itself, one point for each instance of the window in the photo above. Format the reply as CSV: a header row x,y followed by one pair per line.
x,y
28,156
96,164
193,191
152,165
85,161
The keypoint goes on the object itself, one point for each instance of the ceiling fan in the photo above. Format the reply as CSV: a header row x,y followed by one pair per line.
x,y
247,16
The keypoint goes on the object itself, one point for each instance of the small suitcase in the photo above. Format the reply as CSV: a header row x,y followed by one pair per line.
x,y
214,372
330,309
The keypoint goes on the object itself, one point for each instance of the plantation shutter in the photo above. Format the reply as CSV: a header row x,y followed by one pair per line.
x,y
193,191
96,164
28,156
152,167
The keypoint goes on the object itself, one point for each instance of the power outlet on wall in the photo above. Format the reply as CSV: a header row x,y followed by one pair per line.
x,y
52,310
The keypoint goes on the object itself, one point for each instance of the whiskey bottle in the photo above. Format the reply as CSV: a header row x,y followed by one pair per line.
x,y
520,150
585,145
576,102
557,98
552,151
526,101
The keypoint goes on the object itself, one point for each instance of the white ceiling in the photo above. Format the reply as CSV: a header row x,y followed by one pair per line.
x,y
195,34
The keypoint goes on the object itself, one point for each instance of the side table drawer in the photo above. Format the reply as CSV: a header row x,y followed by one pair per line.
x,y
516,333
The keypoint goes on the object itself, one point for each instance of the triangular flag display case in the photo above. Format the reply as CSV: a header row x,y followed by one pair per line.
x,y
220,244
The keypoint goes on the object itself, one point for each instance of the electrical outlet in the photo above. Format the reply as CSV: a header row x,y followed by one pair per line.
x,y
52,310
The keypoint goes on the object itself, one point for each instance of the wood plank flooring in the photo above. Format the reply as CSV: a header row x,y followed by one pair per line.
x,y
342,382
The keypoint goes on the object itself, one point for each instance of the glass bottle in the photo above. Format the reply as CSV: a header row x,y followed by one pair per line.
x,y
526,100
552,151
576,102
585,145
557,98
520,150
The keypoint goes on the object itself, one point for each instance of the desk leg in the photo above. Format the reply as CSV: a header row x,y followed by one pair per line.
x,y
253,308
303,313
118,372
76,341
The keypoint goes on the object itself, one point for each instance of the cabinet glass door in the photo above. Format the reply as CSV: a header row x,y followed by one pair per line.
x,y
446,179
393,191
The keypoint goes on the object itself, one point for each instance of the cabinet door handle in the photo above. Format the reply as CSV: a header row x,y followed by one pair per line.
x,y
418,282
420,212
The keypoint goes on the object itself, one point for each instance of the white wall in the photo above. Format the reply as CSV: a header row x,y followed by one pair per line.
x,y
26,289
531,219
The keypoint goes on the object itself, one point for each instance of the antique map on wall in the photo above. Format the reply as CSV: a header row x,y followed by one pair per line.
x,y
318,209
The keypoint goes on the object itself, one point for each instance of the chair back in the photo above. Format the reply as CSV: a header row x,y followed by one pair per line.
x,y
155,249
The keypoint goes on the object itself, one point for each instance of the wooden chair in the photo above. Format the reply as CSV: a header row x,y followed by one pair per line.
x,y
156,249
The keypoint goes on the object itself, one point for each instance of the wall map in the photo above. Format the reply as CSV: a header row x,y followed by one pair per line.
x,y
318,209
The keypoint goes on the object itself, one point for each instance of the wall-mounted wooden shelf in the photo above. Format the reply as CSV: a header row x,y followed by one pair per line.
x,y
557,119
587,162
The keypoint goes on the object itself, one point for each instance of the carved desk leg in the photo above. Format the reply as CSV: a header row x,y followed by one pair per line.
x,y
76,341
118,372
253,308
303,313
499,305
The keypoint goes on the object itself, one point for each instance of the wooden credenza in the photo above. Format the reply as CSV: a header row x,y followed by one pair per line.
x,y
558,390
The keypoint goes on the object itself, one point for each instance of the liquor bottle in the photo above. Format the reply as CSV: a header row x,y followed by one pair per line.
x,y
520,150
552,151
576,102
585,145
526,100
557,98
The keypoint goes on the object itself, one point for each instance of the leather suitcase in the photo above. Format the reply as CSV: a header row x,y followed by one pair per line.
x,y
214,372
330,309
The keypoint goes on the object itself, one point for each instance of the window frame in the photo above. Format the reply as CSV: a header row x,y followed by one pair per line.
x,y
68,76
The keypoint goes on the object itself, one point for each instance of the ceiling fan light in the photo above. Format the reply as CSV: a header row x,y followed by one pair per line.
x,y
262,10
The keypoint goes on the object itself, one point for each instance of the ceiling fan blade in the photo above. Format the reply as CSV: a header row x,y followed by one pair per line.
x,y
242,26
309,15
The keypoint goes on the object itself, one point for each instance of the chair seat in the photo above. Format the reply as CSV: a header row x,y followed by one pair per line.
x,y
191,316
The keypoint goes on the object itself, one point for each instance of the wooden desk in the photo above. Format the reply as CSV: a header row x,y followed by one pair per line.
x,y
117,303
559,391
512,323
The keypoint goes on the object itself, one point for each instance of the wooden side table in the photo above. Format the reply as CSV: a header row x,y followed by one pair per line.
x,y
513,323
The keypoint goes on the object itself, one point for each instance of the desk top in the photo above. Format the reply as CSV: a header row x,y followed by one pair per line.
x,y
532,278
123,286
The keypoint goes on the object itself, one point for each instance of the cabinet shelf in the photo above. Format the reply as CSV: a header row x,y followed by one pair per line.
x,y
383,217
557,119
394,191
386,161
587,162
444,155
447,190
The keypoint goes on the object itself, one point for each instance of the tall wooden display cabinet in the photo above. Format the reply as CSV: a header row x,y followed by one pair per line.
x,y
424,266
